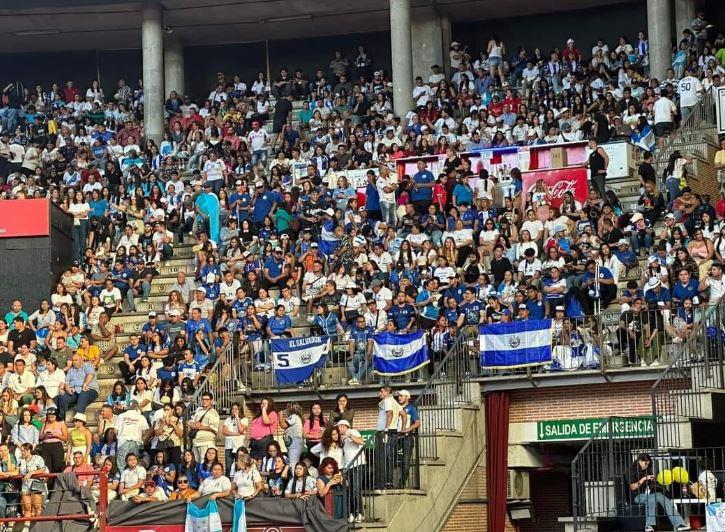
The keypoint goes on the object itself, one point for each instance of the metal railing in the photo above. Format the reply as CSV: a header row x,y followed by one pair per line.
x,y
702,116
610,484
598,343
684,390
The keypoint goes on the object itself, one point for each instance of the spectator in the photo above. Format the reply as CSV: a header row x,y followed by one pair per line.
x,y
204,426
301,485
263,428
184,492
130,429
247,482
79,464
293,431
133,478
33,490
80,439
648,492
329,488
217,485
80,388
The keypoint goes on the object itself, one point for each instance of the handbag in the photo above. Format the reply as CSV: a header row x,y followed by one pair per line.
x,y
194,432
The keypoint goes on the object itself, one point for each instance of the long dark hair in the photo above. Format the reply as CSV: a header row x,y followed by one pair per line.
x,y
311,418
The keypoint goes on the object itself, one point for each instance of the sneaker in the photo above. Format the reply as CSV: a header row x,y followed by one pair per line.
x,y
656,363
643,364
359,518
683,527
351,519
353,382
649,528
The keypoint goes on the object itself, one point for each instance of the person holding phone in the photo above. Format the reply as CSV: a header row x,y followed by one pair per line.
x,y
647,492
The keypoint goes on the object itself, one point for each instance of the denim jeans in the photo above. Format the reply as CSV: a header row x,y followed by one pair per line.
x,y
81,400
259,156
357,366
650,502
389,213
124,450
640,241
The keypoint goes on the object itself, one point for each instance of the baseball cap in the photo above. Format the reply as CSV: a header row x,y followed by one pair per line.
x,y
238,182
76,263
277,249
201,289
314,245
559,308
405,393
174,312
343,422
652,260
259,183
152,314
523,306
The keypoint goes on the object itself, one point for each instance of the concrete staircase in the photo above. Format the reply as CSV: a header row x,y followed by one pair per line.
x,y
442,479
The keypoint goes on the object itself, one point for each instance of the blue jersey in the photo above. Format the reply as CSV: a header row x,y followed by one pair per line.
x,y
193,326
274,266
472,311
167,374
401,315
240,305
279,325
134,352
536,310
190,369
424,177
680,292
262,206
430,310
246,325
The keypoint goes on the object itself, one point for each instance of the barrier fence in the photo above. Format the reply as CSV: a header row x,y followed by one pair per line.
x,y
639,337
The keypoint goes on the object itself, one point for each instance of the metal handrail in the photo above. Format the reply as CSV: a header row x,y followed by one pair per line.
x,y
219,382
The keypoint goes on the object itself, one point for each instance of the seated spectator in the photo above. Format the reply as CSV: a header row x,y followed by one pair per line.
x,y
301,485
217,485
247,482
183,492
151,493
79,464
329,488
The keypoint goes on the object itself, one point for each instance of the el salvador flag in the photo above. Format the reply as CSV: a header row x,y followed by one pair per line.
x,y
240,517
295,359
517,344
398,354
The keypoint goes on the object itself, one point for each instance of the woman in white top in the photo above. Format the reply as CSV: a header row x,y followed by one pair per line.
x,y
351,302
60,296
217,485
496,50
234,430
79,209
247,482
95,91
330,445
265,304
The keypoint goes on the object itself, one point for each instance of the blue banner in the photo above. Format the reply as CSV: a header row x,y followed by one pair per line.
x,y
398,354
516,344
204,519
295,359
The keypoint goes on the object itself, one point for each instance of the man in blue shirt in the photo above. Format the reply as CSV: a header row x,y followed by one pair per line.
x,y
189,368
276,271
328,321
240,304
131,356
423,183
263,204
195,323
402,313
454,290
372,197
408,430
122,278
240,201
592,288
252,325
472,310
656,294
151,326
685,288
534,304
361,347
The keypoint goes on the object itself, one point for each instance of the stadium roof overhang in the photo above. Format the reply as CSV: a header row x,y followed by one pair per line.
x,y
54,25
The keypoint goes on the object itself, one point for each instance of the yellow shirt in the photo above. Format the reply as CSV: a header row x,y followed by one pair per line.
x,y
720,157
93,353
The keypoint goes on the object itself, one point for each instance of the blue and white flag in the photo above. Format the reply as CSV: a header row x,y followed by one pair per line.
x,y
204,519
240,517
398,354
516,344
295,359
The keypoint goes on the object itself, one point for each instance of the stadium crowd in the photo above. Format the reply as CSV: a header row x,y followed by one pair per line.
x,y
281,236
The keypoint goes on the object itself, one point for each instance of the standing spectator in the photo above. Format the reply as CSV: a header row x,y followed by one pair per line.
x,y
410,423
263,428
597,163
130,428
386,437
33,490
204,426
293,431
234,430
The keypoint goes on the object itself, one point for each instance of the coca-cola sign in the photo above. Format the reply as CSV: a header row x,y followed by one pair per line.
x,y
571,179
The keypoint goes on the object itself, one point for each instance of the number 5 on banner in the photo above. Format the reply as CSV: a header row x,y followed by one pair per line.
x,y
282,360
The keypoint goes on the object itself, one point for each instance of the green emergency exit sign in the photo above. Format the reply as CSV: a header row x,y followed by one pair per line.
x,y
583,429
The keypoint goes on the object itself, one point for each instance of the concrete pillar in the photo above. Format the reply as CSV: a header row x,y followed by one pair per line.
x,y
684,14
447,33
402,57
173,66
152,52
659,33
427,42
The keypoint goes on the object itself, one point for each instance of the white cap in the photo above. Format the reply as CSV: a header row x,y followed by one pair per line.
x,y
329,212
201,289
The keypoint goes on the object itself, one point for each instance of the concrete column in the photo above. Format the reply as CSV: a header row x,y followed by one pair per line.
x,y
427,42
402,57
684,14
447,33
173,66
152,52
659,33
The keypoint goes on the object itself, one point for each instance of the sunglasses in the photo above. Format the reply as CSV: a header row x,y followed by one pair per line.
x,y
183,482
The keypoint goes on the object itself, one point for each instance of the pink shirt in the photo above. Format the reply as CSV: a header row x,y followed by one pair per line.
x,y
313,429
259,430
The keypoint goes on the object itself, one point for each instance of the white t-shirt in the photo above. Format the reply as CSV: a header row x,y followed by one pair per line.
x,y
245,481
688,88
425,91
215,485
235,442
350,449
131,477
257,139
663,110
214,170
383,296
535,228
386,197
130,426
228,292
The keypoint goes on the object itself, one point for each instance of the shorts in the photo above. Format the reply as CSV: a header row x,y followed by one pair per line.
x,y
494,61
664,128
